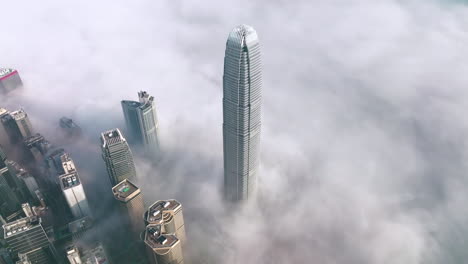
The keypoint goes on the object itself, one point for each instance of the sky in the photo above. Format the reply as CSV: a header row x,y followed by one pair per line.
x,y
364,132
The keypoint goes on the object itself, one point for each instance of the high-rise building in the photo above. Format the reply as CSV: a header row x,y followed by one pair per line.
x,y
168,214
90,255
17,125
142,122
38,146
11,193
130,201
30,183
162,248
242,81
73,189
70,128
9,80
118,156
27,236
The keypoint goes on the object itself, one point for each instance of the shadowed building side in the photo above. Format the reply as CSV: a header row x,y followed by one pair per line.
x,y
142,122
131,205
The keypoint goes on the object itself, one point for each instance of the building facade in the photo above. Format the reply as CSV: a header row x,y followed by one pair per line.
x,y
162,248
131,204
142,122
9,80
242,81
27,236
117,156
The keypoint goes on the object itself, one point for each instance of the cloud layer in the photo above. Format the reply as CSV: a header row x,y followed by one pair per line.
x,y
364,134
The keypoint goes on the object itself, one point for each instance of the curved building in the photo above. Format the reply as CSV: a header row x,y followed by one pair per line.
x,y
242,81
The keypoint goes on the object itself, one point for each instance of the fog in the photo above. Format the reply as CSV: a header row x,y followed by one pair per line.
x,y
364,132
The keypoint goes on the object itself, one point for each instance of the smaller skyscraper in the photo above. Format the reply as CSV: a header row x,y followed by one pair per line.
x,y
17,125
71,129
168,214
30,183
131,204
73,189
162,248
27,236
142,122
118,157
9,80
38,146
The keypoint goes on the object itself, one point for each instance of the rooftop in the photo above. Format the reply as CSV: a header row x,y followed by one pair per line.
x,y
155,214
96,255
68,181
21,225
112,136
3,111
67,163
80,224
158,241
18,114
67,122
5,72
29,141
125,190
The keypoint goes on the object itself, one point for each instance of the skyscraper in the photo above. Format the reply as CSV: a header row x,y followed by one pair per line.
x,y
162,248
168,214
17,125
142,122
72,189
27,236
242,81
131,204
118,156
9,80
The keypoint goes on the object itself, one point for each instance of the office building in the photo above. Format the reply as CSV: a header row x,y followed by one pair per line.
x,y
9,80
10,196
162,248
168,214
72,189
30,183
27,236
118,157
37,146
17,125
142,122
70,128
242,81
131,204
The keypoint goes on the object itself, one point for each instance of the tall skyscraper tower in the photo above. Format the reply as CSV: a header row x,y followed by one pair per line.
x,y
242,81
142,121
118,156
130,201
27,236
